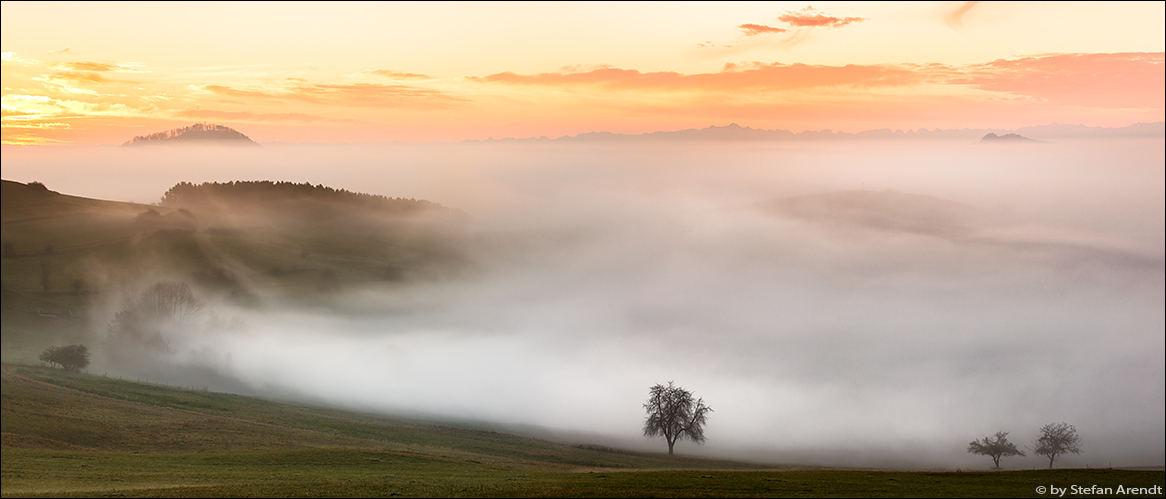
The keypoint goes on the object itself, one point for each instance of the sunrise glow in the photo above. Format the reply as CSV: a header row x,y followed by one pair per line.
x,y
82,74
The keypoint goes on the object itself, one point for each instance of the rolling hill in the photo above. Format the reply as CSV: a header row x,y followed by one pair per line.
x,y
198,133
64,254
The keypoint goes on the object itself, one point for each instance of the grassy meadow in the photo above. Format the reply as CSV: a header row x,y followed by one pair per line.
x,y
71,434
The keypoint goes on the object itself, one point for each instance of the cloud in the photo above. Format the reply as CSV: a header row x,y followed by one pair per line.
x,y
100,67
760,77
14,58
757,29
955,20
86,66
37,126
1117,80
76,77
398,75
27,139
33,108
355,94
257,117
810,17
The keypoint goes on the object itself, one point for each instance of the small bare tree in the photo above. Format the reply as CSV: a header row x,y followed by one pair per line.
x,y
70,358
146,318
995,447
674,414
1057,439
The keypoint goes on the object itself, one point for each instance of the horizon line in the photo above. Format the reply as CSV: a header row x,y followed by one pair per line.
x,y
893,133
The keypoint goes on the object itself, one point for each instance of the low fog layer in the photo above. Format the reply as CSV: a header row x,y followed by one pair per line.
x,y
818,337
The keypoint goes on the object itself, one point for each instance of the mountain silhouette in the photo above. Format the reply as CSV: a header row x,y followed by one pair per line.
x,y
198,133
1008,137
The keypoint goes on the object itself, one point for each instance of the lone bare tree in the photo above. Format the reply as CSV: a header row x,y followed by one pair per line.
x,y
1056,439
70,358
995,447
673,413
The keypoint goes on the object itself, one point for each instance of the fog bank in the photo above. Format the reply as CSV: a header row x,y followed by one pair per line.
x,y
598,270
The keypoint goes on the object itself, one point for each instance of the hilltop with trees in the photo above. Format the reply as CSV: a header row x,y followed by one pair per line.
x,y
244,243
212,195
198,133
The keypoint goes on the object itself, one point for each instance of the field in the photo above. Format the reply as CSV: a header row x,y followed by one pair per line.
x,y
68,434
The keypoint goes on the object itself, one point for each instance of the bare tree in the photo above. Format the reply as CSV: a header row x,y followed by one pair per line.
x,y
170,300
674,414
1056,439
147,319
70,358
995,447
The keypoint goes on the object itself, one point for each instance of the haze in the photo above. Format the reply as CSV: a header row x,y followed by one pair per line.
x,y
595,270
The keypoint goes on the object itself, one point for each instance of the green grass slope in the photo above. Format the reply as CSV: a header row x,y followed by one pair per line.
x,y
70,434
129,435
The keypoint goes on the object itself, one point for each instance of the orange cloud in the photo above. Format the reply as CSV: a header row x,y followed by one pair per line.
x,y
87,66
355,94
955,20
398,75
757,29
760,77
28,139
811,18
1119,80
77,77
257,117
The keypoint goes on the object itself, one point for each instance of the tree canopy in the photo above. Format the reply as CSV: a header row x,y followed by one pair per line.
x,y
675,415
1057,439
70,358
208,194
995,447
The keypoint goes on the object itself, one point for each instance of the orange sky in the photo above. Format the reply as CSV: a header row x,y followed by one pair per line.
x,y
100,73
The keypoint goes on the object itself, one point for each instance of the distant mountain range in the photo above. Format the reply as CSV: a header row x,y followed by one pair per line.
x,y
198,133
737,132
203,133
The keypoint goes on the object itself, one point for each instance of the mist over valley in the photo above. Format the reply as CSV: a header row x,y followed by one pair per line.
x,y
842,303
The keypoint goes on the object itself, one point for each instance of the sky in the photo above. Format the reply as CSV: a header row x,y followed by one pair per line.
x,y
101,73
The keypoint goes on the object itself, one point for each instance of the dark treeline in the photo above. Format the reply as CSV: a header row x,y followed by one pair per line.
x,y
268,192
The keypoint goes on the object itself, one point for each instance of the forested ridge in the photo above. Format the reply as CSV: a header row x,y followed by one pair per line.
x,y
266,192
